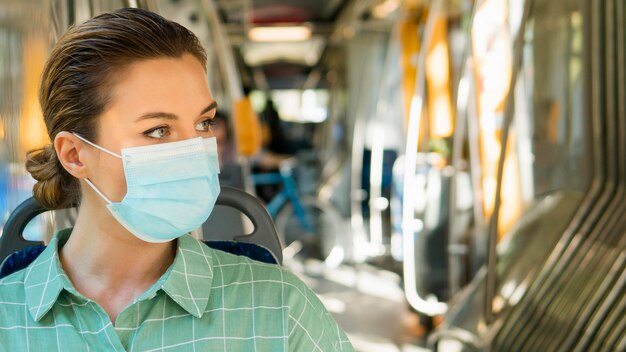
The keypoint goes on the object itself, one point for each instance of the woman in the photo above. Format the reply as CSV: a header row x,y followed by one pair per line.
x,y
126,103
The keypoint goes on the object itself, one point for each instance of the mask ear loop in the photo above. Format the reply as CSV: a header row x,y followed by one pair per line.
x,y
97,146
86,179
98,191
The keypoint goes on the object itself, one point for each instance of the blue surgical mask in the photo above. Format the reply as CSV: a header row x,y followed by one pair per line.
x,y
171,188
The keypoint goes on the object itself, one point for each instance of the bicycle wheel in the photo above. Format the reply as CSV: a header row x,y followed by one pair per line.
x,y
319,240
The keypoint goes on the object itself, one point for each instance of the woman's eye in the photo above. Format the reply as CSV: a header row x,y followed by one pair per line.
x,y
204,126
158,133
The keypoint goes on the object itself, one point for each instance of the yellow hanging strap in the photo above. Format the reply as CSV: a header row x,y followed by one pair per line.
x,y
492,59
438,82
410,50
33,133
247,128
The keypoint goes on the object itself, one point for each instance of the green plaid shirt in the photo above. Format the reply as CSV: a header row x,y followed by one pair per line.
x,y
208,300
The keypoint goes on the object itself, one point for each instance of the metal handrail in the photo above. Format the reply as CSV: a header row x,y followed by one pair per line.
x,y
356,170
376,161
461,127
490,285
426,306
232,82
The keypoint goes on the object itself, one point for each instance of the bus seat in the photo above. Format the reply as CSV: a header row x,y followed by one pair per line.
x,y
262,244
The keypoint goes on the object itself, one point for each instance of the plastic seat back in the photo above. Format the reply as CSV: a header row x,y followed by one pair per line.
x,y
263,238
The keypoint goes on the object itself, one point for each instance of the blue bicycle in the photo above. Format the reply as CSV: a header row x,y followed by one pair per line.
x,y
306,225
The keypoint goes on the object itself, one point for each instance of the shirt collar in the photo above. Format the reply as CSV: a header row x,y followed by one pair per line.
x,y
44,278
191,278
187,282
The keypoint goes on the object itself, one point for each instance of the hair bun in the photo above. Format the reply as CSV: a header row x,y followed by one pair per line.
x,y
53,189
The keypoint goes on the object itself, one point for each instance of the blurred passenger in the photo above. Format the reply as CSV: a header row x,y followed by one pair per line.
x,y
126,103
276,147
278,142
225,144
275,150
230,169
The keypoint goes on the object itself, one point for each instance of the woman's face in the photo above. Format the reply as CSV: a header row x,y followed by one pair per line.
x,y
153,101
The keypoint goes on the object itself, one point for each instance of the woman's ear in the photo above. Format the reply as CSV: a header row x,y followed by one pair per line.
x,y
68,148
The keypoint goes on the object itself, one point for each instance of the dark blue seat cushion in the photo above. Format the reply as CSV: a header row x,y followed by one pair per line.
x,y
21,259
250,250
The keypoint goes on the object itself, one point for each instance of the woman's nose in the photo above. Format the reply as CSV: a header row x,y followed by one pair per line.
x,y
189,133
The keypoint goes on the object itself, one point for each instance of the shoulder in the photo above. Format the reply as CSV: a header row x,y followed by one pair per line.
x,y
235,268
12,297
13,284
240,266
310,325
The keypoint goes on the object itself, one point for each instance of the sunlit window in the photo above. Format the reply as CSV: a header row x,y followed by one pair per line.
x,y
294,105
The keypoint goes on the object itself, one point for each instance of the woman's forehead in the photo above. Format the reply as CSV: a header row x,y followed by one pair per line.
x,y
172,85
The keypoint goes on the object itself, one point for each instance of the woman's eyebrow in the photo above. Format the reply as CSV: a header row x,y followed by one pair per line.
x,y
157,115
170,116
211,106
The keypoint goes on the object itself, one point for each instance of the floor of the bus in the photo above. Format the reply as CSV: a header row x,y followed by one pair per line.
x,y
367,302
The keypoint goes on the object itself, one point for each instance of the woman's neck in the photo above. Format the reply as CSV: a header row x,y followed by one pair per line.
x,y
108,264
